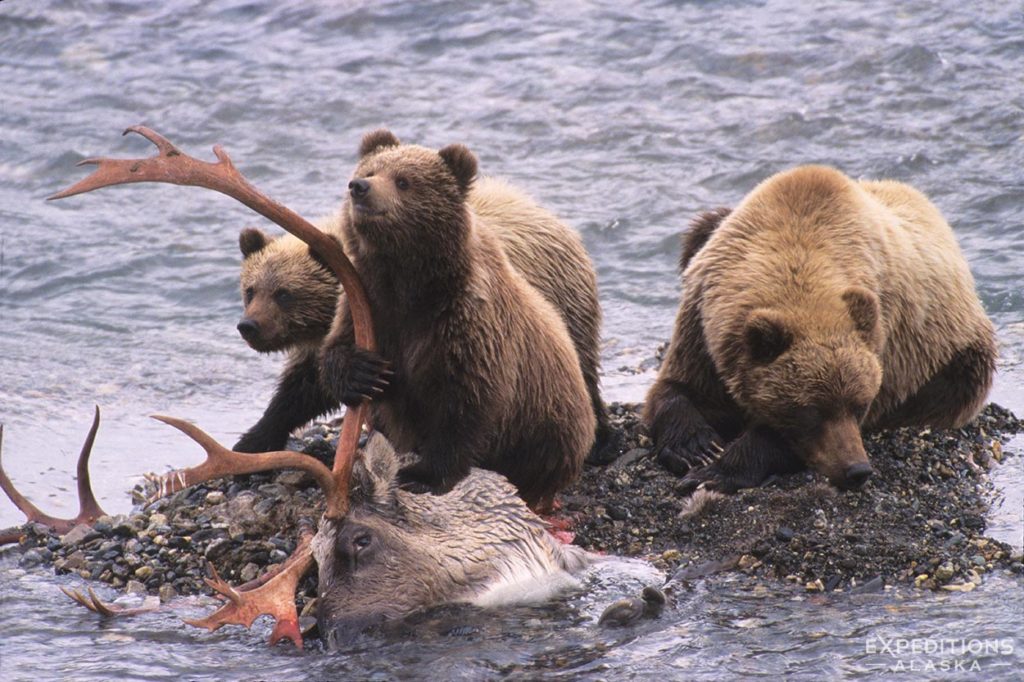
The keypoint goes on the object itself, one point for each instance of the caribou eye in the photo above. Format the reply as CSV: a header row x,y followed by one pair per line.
x,y
249,293
283,297
361,542
402,183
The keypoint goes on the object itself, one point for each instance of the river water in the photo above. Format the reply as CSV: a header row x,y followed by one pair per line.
x,y
624,118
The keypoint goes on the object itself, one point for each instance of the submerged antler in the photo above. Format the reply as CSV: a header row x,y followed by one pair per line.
x,y
88,509
171,165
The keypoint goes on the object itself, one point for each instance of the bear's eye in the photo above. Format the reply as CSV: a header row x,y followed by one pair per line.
x,y
860,410
249,294
402,183
361,542
283,297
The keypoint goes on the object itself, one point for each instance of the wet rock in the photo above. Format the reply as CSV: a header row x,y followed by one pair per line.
x,y
249,572
628,611
78,535
876,584
32,557
167,593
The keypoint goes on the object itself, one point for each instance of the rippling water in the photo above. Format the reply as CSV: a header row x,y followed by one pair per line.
x,y
623,118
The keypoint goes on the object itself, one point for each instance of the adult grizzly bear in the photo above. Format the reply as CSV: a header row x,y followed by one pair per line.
x,y
819,306
485,373
290,298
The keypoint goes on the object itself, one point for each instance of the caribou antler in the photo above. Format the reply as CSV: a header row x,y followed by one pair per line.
x,y
97,605
274,598
221,462
88,509
171,165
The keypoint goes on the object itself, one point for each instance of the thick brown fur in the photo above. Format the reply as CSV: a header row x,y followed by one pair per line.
x,y
289,299
485,372
546,252
818,306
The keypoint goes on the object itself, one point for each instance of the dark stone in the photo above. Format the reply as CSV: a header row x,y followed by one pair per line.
x,y
784,534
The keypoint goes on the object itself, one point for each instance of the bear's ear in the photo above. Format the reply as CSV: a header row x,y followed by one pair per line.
x,y
251,240
865,310
700,231
766,335
376,139
315,255
461,162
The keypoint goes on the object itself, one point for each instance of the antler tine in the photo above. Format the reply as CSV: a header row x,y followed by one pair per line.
x,y
97,605
275,598
88,509
221,462
171,165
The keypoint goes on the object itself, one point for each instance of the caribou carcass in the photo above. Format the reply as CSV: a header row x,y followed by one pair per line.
x,y
382,552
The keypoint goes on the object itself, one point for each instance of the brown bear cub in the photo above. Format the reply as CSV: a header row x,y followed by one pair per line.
x,y
819,306
484,370
290,297
286,291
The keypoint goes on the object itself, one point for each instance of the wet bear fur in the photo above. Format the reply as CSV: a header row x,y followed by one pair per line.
x,y
484,370
286,291
819,306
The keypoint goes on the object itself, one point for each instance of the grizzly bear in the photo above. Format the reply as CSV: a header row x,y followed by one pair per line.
x,y
819,306
286,291
289,297
475,367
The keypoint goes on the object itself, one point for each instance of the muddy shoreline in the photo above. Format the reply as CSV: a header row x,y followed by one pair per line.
x,y
919,522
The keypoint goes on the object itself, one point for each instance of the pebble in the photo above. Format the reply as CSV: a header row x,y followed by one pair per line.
x,y
77,534
135,587
784,534
167,593
944,572
214,497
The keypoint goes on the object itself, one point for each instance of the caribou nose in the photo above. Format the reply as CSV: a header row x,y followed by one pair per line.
x,y
248,329
856,475
359,188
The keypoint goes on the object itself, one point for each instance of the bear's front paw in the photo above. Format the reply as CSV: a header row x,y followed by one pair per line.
x,y
683,455
712,478
354,375
255,442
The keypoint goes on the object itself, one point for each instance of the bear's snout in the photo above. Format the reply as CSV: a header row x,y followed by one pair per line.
x,y
248,328
359,188
856,475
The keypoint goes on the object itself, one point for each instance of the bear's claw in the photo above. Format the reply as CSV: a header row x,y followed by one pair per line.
x,y
356,375
701,449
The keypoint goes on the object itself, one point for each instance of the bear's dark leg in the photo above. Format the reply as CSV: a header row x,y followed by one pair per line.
x,y
300,397
950,398
682,437
758,453
451,438
607,441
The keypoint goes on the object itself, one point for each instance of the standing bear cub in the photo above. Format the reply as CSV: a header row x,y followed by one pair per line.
x,y
289,300
819,306
475,367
